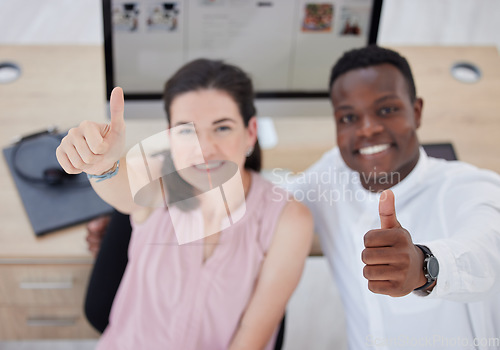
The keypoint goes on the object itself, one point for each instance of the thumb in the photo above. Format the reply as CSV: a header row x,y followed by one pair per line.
x,y
117,106
387,210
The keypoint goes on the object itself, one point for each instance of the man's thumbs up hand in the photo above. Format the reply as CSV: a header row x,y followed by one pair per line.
x,y
94,147
394,265
387,211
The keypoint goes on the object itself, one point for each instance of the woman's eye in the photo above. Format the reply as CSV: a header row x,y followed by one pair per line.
x,y
387,110
223,128
348,119
185,131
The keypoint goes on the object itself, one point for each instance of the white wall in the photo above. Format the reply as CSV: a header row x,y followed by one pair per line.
x,y
419,22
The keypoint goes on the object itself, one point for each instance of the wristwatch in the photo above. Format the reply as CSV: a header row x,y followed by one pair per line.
x,y
431,268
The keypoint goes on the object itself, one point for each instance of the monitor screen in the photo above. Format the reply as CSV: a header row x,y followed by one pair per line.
x,y
287,46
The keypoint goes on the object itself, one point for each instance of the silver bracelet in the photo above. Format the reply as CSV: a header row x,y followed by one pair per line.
x,y
107,175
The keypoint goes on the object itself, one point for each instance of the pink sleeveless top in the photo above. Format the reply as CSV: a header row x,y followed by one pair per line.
x,y
170,299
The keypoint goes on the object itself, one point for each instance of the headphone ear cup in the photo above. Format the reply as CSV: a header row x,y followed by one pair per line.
x,y
54,176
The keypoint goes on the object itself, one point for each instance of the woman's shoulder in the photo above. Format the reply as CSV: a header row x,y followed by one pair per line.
x,y
296,216
276,211
294,229
267,192
271,195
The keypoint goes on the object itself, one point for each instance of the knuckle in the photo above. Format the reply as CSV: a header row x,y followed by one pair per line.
x,y
366,272
73,132
85,124
395,236
102,148
375,288
396,284
405,259
98,148
64,142
364,256
401,235
370,233
368,237
368,255
78,163
88,159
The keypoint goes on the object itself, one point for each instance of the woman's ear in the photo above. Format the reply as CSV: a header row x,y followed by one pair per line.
x,y
252,131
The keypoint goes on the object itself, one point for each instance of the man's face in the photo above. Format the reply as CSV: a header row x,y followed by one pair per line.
x,y
376,124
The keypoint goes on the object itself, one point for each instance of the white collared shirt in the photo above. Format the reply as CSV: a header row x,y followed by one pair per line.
x,y
451,207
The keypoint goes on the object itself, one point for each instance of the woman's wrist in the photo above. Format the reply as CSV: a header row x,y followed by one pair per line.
x,y
107,174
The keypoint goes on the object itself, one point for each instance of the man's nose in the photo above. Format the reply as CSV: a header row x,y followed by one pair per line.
x,y
369,126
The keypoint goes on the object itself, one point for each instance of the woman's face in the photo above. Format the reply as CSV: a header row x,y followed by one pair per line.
x,y
208,137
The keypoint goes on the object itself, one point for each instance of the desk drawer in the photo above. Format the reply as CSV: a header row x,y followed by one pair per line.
x,y
44,323
43,284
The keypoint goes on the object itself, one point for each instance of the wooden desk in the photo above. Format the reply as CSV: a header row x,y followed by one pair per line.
x,y
63,85
468,115
58,265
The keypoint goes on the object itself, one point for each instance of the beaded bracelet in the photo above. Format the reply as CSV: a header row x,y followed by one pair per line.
x,y
107,175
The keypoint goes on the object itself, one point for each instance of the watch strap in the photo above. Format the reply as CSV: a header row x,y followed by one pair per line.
x,y
427,254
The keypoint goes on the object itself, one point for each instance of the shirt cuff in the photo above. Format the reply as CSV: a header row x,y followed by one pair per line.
x,y
448,278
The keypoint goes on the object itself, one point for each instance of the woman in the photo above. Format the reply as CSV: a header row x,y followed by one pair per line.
x,y
221,289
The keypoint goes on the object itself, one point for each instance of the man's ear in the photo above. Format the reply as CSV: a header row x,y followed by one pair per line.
x,y
417,110
252,130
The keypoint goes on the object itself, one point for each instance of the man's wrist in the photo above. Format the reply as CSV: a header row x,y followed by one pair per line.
x,y
422,280
430,270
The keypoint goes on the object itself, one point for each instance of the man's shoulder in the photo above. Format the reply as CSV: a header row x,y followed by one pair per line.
x,y
458,170
461,177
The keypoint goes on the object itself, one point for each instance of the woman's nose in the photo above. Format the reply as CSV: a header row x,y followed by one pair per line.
x,y
208,145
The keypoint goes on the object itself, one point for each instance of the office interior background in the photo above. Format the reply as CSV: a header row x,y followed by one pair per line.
x,y
314,311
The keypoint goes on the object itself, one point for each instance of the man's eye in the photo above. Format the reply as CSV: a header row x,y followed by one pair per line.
x,y
348,119
387,110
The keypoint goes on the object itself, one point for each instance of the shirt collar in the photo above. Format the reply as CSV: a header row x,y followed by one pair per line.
x,y
410,182
414,178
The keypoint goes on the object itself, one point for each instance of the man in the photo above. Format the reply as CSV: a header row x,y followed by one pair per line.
x,y
451,209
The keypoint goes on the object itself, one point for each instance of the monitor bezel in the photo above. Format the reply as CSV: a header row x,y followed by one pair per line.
x,y
109,73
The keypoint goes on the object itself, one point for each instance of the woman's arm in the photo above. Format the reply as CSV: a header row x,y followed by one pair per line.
x,y
94,148
278,278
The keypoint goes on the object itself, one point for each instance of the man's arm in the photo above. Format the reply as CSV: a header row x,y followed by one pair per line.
x,y
469,263
278,278
469,252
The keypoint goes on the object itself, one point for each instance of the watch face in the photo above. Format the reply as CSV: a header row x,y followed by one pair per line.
x,y
433,267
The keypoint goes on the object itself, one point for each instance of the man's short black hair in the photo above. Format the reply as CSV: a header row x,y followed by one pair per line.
x,y
373,55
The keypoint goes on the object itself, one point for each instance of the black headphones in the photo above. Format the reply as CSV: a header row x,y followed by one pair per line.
x,y
27,149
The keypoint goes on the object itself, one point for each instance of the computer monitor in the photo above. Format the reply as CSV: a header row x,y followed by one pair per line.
x,y
440,150
287,46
